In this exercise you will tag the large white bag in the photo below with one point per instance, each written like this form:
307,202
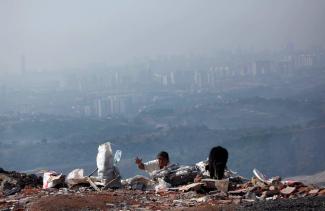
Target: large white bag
105,161
105,164
51,179
75,177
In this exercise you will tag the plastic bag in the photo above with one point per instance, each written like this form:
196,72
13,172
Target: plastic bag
105,161
105,164
177,175
162,186
117,157
76,176
51,179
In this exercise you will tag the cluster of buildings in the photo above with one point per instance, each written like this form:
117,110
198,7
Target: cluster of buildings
105,92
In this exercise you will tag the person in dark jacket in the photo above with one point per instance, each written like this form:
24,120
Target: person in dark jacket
218,158
215,166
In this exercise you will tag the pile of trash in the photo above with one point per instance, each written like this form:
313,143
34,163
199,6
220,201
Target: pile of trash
12,182
261,188
177,184
108,175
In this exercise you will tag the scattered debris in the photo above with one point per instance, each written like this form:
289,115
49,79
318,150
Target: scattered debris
12,182
177,174
52,179
221,185
21,191
288,190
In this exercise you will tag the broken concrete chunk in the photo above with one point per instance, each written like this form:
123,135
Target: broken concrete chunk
238,192
261,185
235,197
250,196
52,179
236,201
220,195
271,188
201,199
193,186
303,189
321,192
314,191
12,182
271,193
221,185
288,190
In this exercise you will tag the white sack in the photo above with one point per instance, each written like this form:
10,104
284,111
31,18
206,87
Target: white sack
76,176
105,161
51,179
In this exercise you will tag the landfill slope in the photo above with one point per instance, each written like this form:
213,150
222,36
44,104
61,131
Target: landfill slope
137,200
254,194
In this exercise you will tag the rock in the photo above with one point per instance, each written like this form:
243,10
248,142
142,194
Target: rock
110,205
250,195
303,189
314,191
235,197
225,201
24,200
236,201
221,185
238,192
288,190
7,183
254,180
189,195
261,185
12,182
220,195
321,192
12,191
193,186
201,199
270,193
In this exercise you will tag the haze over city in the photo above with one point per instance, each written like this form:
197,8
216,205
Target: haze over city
181,76
61,35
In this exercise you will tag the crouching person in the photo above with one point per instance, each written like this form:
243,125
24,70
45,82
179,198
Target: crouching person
216,165
161,162
218,158
140,182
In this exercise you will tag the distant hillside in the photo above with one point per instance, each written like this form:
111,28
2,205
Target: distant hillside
282,137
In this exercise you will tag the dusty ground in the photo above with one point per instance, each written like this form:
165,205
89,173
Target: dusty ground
307,203
37,199
254,194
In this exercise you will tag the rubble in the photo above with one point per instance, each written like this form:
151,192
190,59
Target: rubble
288,190
12,182
21,191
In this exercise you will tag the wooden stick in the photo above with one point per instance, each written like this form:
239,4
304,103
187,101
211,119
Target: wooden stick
93,172
93,184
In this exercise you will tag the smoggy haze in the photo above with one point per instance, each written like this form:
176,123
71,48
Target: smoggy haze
62,34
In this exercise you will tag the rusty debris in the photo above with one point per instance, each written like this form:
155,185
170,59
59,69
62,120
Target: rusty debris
21,191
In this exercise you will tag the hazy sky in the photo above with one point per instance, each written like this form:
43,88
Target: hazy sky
75,33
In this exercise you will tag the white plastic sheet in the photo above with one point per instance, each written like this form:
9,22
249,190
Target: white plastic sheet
51,179
105,164
76,176
105,161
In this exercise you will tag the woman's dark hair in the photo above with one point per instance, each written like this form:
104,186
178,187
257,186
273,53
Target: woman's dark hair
164,155
218,158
